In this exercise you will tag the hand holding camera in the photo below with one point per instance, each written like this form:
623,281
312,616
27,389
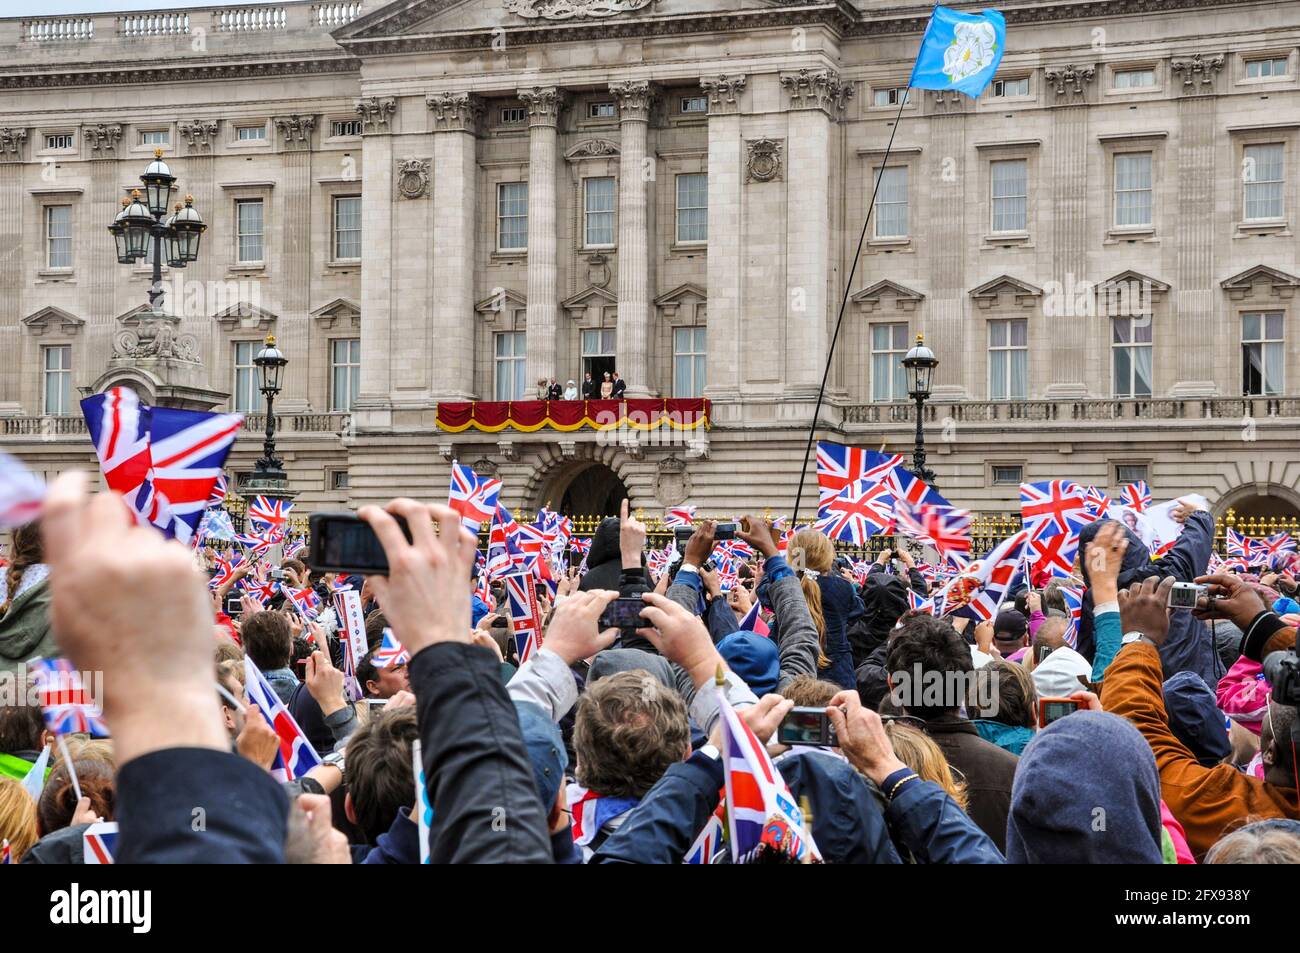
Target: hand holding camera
862,737
1144,607
1229,597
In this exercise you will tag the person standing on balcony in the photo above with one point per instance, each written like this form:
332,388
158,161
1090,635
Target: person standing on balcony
620,386
555,391
606,387
590,389
570,391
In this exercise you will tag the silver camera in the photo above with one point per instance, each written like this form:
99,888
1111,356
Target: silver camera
1185,595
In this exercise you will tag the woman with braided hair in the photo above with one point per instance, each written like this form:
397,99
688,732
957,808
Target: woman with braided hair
25,603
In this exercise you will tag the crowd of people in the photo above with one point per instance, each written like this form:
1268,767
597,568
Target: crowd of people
605,744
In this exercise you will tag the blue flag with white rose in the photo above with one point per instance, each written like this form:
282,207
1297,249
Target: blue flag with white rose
960,51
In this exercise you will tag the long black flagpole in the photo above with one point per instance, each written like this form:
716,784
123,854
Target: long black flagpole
844,303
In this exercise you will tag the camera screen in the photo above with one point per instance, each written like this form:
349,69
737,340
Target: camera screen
348,543
1055,710
623,614
1184,597
804,728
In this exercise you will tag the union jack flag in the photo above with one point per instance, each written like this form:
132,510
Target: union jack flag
582,546
1051,507
162,460
260,590
679,516
1054,555
296,756
838,466
753,621
22,493
1239,545
69,707
255,544
858,511
225,571
1097,502
911,489
473,497
305,601
708,845
1275,545
525,614
919,603
219,490
977,592
658,560
99,843
1074,603
294,547
946,528
216,525
269,511
390,652
1136,496
761,811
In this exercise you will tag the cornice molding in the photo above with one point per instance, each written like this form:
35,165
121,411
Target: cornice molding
65,75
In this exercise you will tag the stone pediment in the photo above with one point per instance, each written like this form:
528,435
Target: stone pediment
50,318
1272,280
245,316
505,300
341,312
587,297
1021,292
905,298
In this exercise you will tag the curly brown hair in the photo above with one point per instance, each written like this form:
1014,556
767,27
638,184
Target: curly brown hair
27,552
629,730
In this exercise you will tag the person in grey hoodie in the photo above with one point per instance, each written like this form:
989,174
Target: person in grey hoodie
25,604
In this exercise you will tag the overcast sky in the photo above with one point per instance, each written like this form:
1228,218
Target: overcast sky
29,8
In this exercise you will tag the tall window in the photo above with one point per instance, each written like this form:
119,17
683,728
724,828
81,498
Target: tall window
1010,192
248,230
345,373
1135,78
1009,359
689,361
58,236
1262,181
891,202
58,379
511,365
512,216
347,227
246,397
1131,355
1272,66
598,348
693,207
599,210
1133,189
888,377
1261,353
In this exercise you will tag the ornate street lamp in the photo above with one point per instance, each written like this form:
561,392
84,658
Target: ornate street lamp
270,362
920,363
143,229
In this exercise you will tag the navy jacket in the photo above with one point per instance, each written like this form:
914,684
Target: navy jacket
476,768
245,813
850,825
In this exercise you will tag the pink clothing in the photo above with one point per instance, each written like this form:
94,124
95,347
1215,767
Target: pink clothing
1243,694
1036,618
1176,835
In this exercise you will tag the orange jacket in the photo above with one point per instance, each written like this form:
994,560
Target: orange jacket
1206,801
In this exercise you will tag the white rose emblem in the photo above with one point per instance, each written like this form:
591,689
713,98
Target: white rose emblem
970,51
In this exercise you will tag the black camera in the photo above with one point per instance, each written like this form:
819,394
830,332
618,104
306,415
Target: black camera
1282,671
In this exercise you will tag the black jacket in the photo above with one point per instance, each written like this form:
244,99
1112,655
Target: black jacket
245,812
476,768
590,390
987,770
620,386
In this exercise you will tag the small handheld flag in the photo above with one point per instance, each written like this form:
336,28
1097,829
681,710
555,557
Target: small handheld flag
99,843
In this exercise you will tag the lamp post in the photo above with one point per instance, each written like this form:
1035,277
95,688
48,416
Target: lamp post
143,229
920,363
270,362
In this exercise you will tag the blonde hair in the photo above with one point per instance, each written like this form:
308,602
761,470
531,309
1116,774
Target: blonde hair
915,749
17,817
815,553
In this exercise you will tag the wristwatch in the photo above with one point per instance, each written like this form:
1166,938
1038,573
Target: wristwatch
334,758
1136,636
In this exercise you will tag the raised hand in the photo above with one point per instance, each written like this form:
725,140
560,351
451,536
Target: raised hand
574,633
680,637
631,538
862,737
1144,607
758,533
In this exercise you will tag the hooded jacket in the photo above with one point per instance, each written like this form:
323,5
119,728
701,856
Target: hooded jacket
605,563
1086,762
884,600
1188,647
25,629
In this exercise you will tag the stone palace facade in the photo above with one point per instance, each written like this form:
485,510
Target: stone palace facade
447,200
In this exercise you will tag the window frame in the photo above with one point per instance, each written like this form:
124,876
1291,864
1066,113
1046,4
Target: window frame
63,372
258,405
1115,158
878,172
240,261
993,200
1008,348
1133,344
500,232
1280,182
70,238
678,208
698,356
352,374
517,361
1263,342
588,212
898,375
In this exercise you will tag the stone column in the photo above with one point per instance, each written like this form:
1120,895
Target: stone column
724,262
12,147
374,404
1196,299
294,204
544,106
958,340
455,124
817,97
634,177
